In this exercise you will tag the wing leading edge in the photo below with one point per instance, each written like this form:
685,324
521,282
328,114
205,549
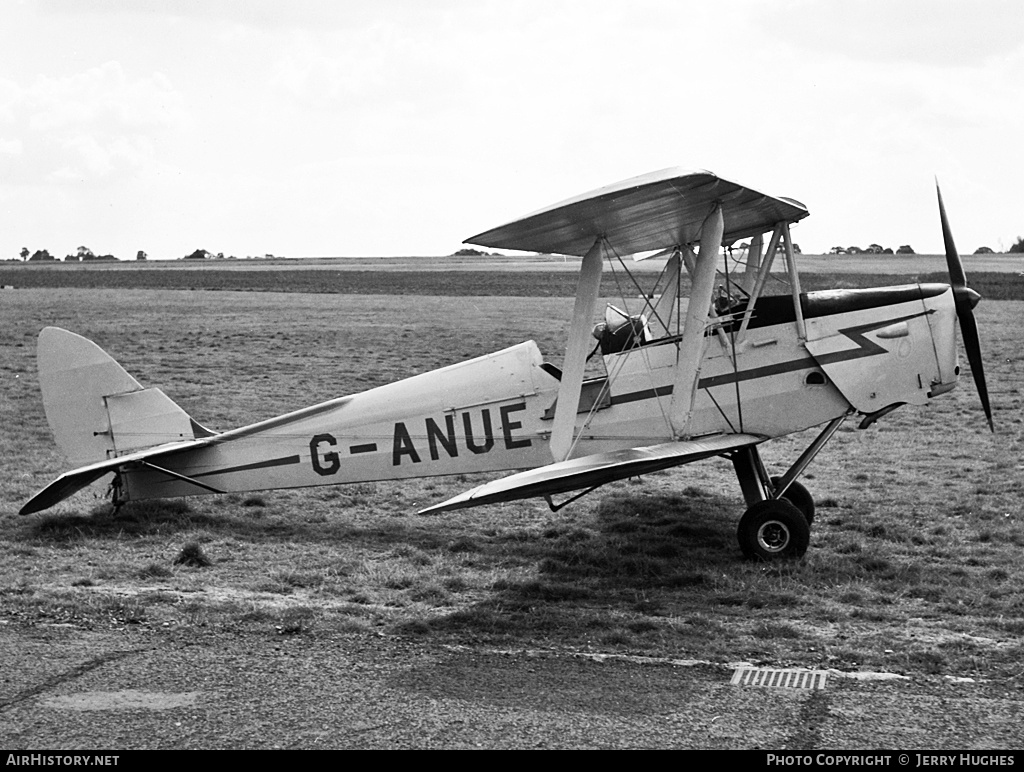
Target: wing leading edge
591,471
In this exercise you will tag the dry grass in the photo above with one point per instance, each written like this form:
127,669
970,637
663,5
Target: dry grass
914,563
994,276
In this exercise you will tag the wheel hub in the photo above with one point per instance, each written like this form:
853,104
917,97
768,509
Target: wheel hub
773,536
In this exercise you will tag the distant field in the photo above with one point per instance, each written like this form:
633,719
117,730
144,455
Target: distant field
914,565
460,277
874,264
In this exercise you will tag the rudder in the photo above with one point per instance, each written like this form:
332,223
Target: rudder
95,409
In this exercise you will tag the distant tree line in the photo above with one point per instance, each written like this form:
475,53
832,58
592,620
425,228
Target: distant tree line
906,249
746,246
872,249
468,252
205,254
39,254
84,254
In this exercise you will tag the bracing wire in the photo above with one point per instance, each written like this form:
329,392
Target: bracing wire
620,361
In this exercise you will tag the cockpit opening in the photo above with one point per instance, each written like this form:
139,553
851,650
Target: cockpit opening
621,331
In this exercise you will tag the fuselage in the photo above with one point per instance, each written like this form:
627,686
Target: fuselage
864,351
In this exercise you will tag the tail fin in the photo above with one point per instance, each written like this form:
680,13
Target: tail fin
95,409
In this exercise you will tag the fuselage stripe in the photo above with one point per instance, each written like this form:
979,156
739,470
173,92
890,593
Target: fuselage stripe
865,348
285,461
721,380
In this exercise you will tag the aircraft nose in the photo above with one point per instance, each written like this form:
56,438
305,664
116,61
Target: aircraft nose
968,295
965,299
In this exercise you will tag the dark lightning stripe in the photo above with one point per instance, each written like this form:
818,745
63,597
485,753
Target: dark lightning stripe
286,461
636,396
758,372
722,380
865,348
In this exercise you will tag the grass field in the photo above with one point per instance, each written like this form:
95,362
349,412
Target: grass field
914,563
996,278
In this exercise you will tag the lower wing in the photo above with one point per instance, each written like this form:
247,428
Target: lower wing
598,469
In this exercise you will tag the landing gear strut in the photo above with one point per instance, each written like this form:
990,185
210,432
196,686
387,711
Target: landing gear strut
116,491
797,495
777,523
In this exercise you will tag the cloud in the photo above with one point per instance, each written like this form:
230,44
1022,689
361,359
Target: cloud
269,15
941,33
103,96
90,126
314,126
11,147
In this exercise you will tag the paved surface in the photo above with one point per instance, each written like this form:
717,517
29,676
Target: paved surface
64,688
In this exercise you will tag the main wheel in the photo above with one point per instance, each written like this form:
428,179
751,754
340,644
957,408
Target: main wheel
773,530
799,496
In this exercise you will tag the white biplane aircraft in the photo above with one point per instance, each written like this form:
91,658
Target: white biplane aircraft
718,375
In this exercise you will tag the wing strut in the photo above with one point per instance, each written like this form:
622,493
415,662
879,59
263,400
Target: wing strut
576,351
762,276
749,278
693,343
794,282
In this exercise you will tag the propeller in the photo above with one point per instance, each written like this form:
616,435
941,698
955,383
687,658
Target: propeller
965,300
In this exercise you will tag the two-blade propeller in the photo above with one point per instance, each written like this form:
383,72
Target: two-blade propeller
965,299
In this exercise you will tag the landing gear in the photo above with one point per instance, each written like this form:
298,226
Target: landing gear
773,530
777,523
116,492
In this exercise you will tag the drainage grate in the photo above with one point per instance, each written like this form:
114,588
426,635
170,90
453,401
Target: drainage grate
792,678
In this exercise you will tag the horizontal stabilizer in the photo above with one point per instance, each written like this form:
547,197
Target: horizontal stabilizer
71,482
591,471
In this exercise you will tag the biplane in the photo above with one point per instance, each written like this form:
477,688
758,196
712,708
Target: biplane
713,363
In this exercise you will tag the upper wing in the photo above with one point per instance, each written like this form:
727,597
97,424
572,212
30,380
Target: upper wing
590,471
654,211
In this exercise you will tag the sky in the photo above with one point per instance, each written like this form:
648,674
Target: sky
403,127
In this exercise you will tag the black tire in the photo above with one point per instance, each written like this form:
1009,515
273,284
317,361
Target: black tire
798,495
773,530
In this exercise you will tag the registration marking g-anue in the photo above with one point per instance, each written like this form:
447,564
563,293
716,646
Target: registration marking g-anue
445,435
47,760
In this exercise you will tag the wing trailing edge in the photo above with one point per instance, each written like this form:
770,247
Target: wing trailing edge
597,469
